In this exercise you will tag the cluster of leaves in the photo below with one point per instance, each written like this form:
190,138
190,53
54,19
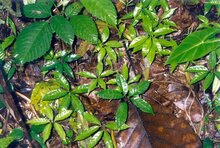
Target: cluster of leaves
58,102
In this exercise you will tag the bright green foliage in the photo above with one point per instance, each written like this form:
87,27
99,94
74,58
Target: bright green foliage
73,9
194,46
16,134
85,28
103,10
33,42
209,3
63,28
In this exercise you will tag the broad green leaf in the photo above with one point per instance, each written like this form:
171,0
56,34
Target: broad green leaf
41,89
63,115
99,68
101,54
77,104
114,44
153,4
87,74
93,141
33,42
139,89
92,85
38,121
212,59
110,94
207,143
86,133
7,42
199,76
17,133
37,10
138,41
147,24
197,68
68,70
6,141
125,71
137,9
81,89
121,114
101,83
208,80
113,126
142,105
121,82
71,58
134,79
107,73
73,9
64,103
194,46
168,13
48,112
162,31
107,140
54,94
111,53
164,5
91,118
105,34
85,28
203,19
62,80
47,132
63,28
60,131
102,9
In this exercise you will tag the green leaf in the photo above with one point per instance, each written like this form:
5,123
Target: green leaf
73,9
121,82
162,31
71,58
138,41
208,80
63,28
153,4
37,138
107,73
7,42
207,143
142,105
107,140
92,85
113,126
62,80
125,71
103,9
101,54
87,74
38,121
37,10
111,53
134,79
168,13
81,89
114,44
60,131
212,59
121,114
139,89
95,139
48,112
91,118
101,83
105,34
63,115
110,94
197,68
86,133
2,54
85,28
12,25
17,133
1,89
77,104
68,70
99,68
47,132
164,5
194,46
33,42
199,76
54,94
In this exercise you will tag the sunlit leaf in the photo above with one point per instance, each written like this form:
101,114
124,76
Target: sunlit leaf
103,9
139,89
77,104
87,74
86,133
91,118
63,115
73,9
54,94
198,76
114,126
121,114
208,80
60,131
38,121
107,140
47,132
121,82
142,105
95,139
110,94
